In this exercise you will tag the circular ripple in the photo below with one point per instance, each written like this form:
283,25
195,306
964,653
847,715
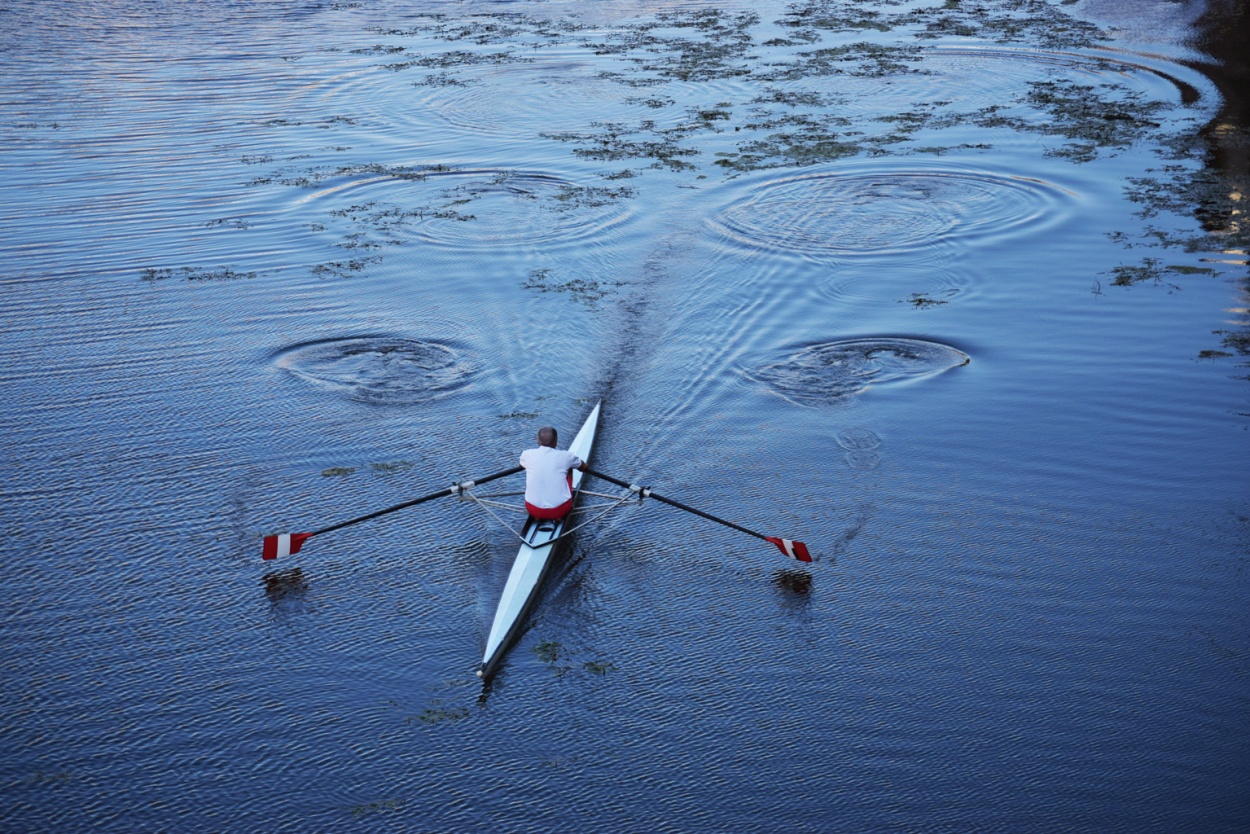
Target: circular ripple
884,211
858,440
978,72
379,369
520,98
487,209
470,208
827,373
863,461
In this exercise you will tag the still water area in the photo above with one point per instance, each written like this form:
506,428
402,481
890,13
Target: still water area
954,293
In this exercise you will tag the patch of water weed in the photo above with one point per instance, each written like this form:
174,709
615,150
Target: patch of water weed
519,415
431,716
837,17
654,102
230,222
614,142
192,273
384,470
803,139
441,79
922,302
1206,193
858,60
338,471
381,807
599,667
1033,21
549,651
505,28
589,196
344,269
391,221
794,98
1154,271
1097,119
1106,116
460,58
1236,341
588,291
1149,270
378,49
702,45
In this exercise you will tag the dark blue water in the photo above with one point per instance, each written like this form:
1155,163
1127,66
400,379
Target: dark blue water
956,295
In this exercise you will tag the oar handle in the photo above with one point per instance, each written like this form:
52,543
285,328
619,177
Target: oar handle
454,489
646,492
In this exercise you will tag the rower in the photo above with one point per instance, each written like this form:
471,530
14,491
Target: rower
549,477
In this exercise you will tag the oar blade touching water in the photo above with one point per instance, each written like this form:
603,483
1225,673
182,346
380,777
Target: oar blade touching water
283,544
793,549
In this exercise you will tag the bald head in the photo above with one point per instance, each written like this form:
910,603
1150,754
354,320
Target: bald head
547,436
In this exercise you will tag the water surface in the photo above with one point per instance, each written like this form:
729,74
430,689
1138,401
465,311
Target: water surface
956,296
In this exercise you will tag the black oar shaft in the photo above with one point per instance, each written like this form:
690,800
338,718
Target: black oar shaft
647,493
452,490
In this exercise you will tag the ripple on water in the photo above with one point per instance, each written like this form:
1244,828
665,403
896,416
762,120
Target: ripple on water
857,439
478,208
827,373
984,73
525,208
921,283
381,370
521,97
844,213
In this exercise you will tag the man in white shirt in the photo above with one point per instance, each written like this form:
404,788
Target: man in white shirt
549,477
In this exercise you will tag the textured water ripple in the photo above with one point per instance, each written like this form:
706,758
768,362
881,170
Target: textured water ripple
381,370
890,210
830,372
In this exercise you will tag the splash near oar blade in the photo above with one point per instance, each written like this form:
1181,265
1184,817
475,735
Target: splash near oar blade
283,544
793,549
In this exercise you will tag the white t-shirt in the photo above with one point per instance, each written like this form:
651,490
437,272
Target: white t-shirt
546,475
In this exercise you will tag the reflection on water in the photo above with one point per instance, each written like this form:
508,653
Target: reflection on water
285,586
796,583
1222,32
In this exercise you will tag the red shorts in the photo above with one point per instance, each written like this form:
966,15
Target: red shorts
549,513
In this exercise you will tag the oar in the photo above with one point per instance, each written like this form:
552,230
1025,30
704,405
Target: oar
793,549
286,544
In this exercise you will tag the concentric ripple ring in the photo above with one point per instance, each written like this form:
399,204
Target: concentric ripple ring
874,212
381,370
827,373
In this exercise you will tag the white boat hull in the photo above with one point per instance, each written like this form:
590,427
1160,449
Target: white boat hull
532,561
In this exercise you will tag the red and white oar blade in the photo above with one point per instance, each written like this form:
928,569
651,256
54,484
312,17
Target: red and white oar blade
793,549
283,544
